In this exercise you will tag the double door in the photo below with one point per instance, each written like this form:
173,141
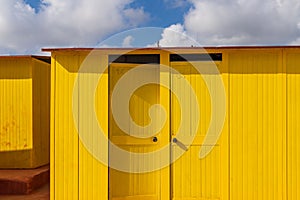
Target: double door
158,119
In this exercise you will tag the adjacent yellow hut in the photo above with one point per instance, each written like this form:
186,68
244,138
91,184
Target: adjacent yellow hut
24,111
256,156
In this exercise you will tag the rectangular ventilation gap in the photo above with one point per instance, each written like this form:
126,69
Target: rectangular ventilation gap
135,58
196,57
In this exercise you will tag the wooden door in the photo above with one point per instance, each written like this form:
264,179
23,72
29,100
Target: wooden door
194,177
131,178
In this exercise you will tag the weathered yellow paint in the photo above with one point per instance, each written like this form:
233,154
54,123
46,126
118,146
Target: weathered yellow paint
24,112
256,157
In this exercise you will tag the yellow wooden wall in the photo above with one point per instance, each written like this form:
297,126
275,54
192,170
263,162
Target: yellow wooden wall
24,112
257,156
16,104
257,125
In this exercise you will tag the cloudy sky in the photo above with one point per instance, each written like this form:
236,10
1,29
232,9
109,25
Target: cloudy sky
28,25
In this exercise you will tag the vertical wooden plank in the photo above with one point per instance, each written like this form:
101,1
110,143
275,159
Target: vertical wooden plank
165,102
293,127
92,172
52,127
224,140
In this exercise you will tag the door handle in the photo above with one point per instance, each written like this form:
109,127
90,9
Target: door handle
154,139
180,144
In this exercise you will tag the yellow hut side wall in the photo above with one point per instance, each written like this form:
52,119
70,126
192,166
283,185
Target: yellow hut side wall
81,176
16,104
24,112
262,86
15,113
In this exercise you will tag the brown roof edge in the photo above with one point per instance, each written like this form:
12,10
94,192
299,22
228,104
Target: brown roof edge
90,49
15,56
42,58
169,48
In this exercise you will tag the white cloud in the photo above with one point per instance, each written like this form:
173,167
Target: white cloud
175,35
63,23
243,22
296,42
127,42
136,16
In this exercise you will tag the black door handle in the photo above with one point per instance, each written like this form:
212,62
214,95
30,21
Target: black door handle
154,139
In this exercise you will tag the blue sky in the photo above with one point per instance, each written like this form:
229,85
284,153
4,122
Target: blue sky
163,14
26,26
34,3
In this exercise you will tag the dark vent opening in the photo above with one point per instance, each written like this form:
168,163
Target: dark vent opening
195,57
135,58
43,58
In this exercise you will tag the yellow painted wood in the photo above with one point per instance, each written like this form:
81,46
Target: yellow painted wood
16,104
66,164
149,185
165,101
41,112
82,176
195,198
137,197
52,128
92,172
192,177
256,157
257,125
293,127
24,112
